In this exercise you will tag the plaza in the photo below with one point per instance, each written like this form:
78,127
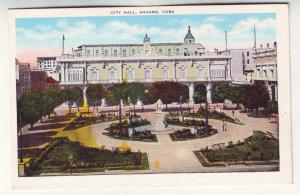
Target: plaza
165,156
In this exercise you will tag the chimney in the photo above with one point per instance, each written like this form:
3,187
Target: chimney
275,45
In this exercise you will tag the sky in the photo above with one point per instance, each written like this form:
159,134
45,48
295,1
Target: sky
43,36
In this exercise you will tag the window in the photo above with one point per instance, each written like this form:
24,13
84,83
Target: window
200,72
115,52
219,73
160,51
132,51
247,61
88,52
94,75
257,72
247,53
165,74
130,75
112,75
169,52
105,53
97,52
124,52
147,74
177,51
265,73
182,74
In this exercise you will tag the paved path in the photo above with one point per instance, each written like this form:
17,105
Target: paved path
168,156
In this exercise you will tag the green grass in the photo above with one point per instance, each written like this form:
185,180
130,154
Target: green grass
132,139
174,138
255,148
201,160
60,154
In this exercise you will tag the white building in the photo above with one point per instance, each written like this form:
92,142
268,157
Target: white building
265,60
49,65
185,62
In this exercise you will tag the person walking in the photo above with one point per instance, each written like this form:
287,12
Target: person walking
232,113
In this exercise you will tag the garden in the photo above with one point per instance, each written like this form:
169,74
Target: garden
127,131
201,113
193,129
260,148
86,119
67,157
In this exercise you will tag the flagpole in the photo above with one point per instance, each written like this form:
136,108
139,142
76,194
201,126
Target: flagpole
63,44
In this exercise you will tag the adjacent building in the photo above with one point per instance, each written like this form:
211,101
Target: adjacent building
265,60
23,77
186,62
49,65
242,65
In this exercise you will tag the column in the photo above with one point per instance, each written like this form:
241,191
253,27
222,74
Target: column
103,102
208,93
270,91
67,74
191,93
174,71
208,70
85,101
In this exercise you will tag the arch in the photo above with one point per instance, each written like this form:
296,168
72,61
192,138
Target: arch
200,95
273,92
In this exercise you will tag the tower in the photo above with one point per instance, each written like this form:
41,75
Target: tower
189,38
146,41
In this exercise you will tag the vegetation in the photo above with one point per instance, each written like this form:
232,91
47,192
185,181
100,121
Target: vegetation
227,91
115,130
167,92
33,105
124,90
94,94
63,156
258,147
255,96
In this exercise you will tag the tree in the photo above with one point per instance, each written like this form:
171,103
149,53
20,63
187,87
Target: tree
50,99
94,94
28,106
200,94
226,91
255,96
167,92
125,90
72,95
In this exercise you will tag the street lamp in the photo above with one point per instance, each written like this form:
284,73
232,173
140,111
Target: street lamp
20,139
180,101
120,115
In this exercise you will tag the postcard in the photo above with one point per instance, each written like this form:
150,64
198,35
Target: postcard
176,93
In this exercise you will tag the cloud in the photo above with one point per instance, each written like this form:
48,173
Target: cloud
207,32
214,19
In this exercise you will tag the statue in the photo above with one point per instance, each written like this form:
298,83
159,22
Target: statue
159,105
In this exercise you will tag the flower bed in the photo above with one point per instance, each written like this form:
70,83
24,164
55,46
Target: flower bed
86,120
213,114
188,133
56,158
256,149
122,132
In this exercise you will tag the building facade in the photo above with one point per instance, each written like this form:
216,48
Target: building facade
23,77
242,65
185,62
265,60
49,65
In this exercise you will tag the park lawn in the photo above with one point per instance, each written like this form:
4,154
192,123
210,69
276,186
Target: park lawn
83,135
